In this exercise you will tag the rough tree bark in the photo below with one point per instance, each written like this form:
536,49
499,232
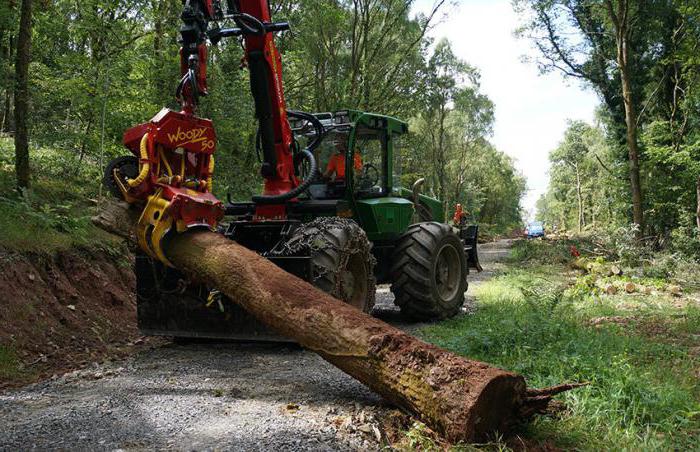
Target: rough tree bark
7,53
24,42
621,20
462,399
579,198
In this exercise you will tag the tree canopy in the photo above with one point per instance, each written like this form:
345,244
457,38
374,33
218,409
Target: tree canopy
641,57
99,67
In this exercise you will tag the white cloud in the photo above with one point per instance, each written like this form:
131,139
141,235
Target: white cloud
531,109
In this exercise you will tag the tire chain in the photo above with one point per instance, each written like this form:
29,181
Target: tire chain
306,239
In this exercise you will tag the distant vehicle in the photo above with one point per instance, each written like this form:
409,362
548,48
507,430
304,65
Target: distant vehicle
534,229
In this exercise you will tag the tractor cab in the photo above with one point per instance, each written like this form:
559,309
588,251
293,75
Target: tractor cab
354,154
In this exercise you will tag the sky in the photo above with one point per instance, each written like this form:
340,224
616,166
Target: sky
531,109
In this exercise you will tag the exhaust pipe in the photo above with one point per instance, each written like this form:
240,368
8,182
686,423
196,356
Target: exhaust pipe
416,190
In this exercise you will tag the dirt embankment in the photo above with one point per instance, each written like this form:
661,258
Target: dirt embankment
63,311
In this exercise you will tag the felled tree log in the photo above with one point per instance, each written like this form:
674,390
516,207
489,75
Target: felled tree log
462,399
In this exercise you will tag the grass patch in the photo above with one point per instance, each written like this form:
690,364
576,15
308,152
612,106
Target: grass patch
643,392
55,214
41,228
9,364
540,251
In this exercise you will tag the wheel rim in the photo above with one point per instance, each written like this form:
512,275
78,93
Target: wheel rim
447,272
353,282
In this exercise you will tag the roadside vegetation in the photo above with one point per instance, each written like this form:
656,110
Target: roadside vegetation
10,366
547,316
55,214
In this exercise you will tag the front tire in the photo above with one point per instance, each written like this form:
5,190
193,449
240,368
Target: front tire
429,272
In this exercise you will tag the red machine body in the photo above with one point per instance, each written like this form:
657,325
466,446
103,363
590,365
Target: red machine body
179,156
265,66
175,130
282,179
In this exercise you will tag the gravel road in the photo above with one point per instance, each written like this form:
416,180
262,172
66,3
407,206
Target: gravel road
208,397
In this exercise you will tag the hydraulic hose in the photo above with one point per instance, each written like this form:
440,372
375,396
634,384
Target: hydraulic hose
145,165
210,183
308,156
164,159
191,78
276,199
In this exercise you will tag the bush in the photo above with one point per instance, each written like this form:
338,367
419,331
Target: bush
686,241
621,244
539,251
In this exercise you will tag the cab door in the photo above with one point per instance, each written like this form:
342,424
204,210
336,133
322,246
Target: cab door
381,215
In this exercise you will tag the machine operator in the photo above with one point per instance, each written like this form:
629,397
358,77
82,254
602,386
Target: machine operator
336,165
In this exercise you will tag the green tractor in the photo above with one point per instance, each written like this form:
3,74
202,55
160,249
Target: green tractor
354,227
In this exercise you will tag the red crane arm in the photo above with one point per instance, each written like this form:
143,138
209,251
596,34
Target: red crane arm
253,20
265,65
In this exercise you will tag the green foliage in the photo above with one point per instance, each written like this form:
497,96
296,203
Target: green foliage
541,252
418,437
584,187
451,147
643,259
9,364
55,214
642,394
100,67
579,39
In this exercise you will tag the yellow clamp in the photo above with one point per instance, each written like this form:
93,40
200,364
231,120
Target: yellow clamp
153,225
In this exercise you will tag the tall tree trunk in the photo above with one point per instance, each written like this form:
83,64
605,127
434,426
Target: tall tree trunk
633,151
160,7
579,198
621,19
7,45
441,160
6,111
24,43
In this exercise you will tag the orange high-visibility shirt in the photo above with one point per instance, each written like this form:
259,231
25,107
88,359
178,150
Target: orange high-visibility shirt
337,165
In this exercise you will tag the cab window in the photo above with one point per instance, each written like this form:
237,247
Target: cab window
397,148
370,176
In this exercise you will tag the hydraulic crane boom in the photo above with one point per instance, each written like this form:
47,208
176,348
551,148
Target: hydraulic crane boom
265,67
175,150
253,23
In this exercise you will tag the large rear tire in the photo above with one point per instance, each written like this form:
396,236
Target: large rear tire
341,259
429,272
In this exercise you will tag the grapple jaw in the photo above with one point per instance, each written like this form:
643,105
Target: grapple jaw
174,177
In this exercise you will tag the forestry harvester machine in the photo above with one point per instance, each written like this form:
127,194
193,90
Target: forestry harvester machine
343,232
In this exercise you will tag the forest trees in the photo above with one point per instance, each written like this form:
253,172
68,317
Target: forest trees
7,48
365,54
440,123
607,55
453,130
23,52
641,56
100,67
580,192
571,154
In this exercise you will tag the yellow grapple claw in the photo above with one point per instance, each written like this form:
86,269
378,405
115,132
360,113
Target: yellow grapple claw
153,225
